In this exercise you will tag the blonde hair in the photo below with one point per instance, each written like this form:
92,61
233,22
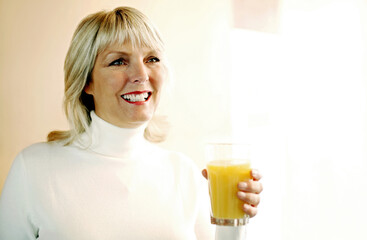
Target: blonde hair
93,35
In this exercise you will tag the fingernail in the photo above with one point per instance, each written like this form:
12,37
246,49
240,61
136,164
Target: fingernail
242,185
255,173
246,206
241,194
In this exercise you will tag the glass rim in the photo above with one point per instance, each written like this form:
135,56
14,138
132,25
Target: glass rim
228,143
226,150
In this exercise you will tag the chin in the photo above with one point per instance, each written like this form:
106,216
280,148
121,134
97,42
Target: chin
142,119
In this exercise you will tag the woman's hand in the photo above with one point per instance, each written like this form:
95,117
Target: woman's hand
249,192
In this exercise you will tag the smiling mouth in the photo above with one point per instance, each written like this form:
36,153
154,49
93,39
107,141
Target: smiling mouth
136,97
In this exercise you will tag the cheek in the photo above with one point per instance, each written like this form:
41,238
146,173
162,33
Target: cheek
159,80
159,85
111,83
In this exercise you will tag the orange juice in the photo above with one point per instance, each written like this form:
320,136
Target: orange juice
224,176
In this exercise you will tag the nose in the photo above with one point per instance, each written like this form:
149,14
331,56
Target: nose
138,73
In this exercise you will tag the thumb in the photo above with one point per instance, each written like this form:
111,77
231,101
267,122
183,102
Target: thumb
205,173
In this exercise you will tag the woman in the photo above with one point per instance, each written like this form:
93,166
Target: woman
102,179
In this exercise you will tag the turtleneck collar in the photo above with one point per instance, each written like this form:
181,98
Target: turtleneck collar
107,139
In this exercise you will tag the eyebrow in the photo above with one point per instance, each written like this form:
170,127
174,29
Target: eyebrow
151,52
115,52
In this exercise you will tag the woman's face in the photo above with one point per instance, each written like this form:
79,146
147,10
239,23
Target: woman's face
126,84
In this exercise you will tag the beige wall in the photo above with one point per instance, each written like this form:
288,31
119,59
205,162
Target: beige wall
34,39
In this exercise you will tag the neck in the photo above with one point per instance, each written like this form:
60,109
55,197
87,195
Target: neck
110,140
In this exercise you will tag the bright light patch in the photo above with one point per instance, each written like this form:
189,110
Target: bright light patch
300,98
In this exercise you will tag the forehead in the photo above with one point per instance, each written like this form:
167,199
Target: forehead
127,49
125,39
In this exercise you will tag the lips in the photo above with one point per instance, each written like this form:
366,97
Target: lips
137,97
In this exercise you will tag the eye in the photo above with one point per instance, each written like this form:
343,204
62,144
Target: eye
153,60
118,62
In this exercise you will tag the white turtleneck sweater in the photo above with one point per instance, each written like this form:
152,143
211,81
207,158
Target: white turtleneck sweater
111,184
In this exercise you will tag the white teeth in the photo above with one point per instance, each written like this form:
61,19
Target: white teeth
136,97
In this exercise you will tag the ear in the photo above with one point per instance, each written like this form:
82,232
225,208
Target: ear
89,88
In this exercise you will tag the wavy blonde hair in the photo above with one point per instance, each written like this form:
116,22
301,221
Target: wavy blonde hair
93,35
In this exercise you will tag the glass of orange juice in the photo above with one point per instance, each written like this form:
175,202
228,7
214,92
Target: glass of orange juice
227,165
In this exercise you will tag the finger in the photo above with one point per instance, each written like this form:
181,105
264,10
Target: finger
250,186
256,174
249,210
249,198
205,173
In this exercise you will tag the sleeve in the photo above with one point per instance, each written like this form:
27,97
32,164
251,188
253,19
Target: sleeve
15,222
233,233
205,230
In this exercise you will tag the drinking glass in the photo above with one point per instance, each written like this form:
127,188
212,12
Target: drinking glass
227,165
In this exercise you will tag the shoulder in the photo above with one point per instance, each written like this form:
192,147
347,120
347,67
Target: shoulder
30,161
40,149
41,154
